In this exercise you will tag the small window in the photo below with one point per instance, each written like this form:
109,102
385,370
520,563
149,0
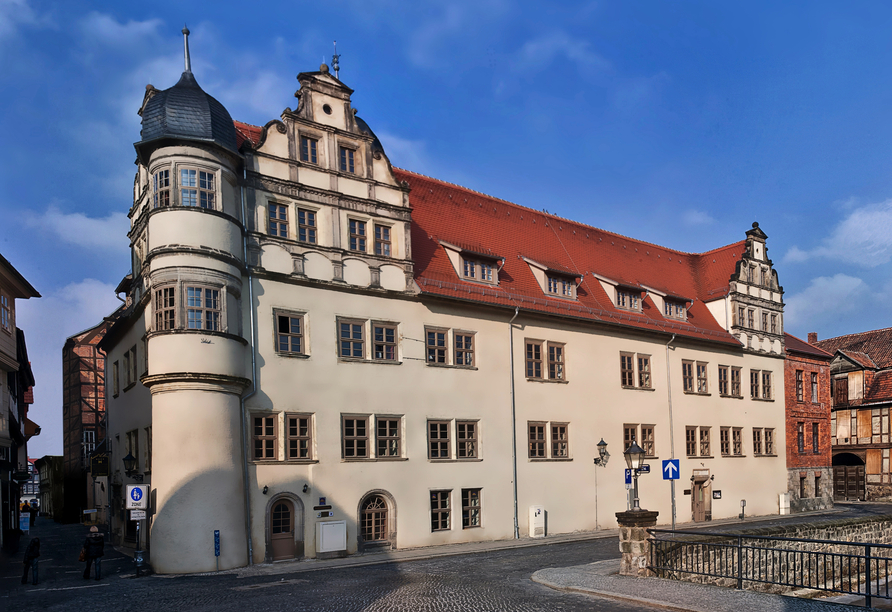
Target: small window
116,384
757,441
466,439
347,164
474,269
769,441
197,188
560,442
704,442
765,321
537,440
555,361
278,220
289,333
438,439
723,380
5,313
629,300
356,437
725,441
735,382
471,508
755,387
648,443
702,383
299,440
388,437
687,376
306,226
534,360
265,437
161,189
815,439
800,437
814,387
384,342
350,336
750,318
691,441
800,386
357,235
165,308
436,346
741,316
464,349
440,510
308,148
627,370
203,308
674,310
774,324
560,286
737,441
382,240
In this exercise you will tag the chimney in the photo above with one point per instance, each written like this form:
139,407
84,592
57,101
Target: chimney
812,337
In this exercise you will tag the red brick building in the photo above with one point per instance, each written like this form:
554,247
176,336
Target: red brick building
807,404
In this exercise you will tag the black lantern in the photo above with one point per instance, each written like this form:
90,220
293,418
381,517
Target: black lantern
129,464
603,455
634,456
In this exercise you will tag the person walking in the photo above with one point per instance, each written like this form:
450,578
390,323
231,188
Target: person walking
30,560
94,549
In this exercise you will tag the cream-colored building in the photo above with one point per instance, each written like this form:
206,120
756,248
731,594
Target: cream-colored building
323,354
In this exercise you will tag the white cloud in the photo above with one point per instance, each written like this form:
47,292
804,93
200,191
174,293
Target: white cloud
101,29
107,233
697,217
539,53
47,322
863,238
265,92
404,153
16,13
827,298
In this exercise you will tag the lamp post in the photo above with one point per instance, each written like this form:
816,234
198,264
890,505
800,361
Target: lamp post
634,456
600,461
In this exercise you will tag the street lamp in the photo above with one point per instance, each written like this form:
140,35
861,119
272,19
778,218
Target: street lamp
634,456
130,467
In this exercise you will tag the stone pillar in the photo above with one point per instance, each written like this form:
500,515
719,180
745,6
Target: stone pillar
633,526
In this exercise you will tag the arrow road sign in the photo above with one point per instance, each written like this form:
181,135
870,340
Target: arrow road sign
671,470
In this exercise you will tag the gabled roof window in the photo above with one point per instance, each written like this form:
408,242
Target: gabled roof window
555,281
474,265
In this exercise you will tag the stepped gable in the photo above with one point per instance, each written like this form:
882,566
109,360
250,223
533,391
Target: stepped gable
442,212
876,344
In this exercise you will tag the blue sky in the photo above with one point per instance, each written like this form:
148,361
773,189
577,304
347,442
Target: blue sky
678,123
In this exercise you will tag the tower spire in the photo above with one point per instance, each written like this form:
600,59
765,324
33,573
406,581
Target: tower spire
186,48
335,60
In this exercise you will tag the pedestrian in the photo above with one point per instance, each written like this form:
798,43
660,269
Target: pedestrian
94,547
30,560
33,510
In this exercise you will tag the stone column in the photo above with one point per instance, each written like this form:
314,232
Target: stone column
633,541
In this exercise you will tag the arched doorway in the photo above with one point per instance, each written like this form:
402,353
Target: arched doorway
377,517
848,477
285,528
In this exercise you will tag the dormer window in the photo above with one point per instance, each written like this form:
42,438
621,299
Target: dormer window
477,270
347,164
674,310
308,149
560,286
628,299
197,188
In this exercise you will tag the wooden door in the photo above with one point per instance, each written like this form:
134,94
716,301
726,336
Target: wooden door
282,530
374,520
698,501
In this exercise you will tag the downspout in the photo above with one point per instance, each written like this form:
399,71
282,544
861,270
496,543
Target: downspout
671,427
243,412
513,418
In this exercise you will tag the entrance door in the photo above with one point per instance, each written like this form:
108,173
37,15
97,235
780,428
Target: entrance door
282,530
698,501
848,482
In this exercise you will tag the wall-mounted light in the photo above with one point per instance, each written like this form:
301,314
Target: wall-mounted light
306,488
265,489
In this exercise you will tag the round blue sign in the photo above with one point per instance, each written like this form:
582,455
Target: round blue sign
135,494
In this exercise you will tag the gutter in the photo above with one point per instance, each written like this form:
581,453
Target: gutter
513,416
244,398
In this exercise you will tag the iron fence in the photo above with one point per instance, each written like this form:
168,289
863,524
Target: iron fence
855,568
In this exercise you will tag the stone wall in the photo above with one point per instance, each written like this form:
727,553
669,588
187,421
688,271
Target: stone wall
821,499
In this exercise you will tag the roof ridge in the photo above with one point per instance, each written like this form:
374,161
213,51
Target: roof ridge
872,331
564,219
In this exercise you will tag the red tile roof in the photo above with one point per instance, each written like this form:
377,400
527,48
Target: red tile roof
877,344
792,344
880,388
861,359
480,223
246,131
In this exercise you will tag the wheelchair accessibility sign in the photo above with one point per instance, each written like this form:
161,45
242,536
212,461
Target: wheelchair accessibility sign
137,497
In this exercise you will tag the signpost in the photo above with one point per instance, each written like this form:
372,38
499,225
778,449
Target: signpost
217,547
137,502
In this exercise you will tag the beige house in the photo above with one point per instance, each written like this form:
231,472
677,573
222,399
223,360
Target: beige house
323,354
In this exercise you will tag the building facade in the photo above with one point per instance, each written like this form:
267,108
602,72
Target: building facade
807,401
31,487
83,414
337,355
16,395
52,486
861,392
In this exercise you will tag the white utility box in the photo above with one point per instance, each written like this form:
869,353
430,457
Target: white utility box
783,500
331,536
537,521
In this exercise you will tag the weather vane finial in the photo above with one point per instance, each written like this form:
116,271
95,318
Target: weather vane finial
335,60
186,48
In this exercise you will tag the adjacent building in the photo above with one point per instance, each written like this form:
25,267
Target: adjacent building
807,401
52,486
861,391
322,354
16,395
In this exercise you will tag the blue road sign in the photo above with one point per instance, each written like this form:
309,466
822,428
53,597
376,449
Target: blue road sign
216,542
644,468
628,476
136,494
671,470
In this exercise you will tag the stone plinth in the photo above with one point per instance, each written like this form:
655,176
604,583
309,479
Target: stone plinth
633,526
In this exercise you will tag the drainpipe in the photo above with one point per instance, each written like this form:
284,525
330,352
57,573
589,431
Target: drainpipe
243,412
513,417
671,428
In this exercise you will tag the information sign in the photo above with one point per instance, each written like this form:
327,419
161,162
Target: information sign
137,497
137,515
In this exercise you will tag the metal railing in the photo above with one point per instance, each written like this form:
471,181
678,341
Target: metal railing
855,568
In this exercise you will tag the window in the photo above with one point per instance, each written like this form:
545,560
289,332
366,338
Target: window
306,226
347,160
802,492
308,149
466,439
630,300
769,441
702,386
161,188
470,508
278,220
687,376
723,380
148,458
800,437
534,359
737,441
645,440
388,437
725,441
537,440
357,235
265,437
473,269
674,310
774,324
704,442
440,510
690,434
841,394
116,384
203,308
133,445
5,313
464,349
735,382
765,277
350,335
438,439
88,445
385,342
165,308
800,390
560,443
764,321
356,437
757,441
627,363
814,387
627,370
129,367
555,354
382,240
766,385
289,333
754,384
815,439
750,316
555,361
751,274
436,346
560,286
197,188
298,436
741,316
